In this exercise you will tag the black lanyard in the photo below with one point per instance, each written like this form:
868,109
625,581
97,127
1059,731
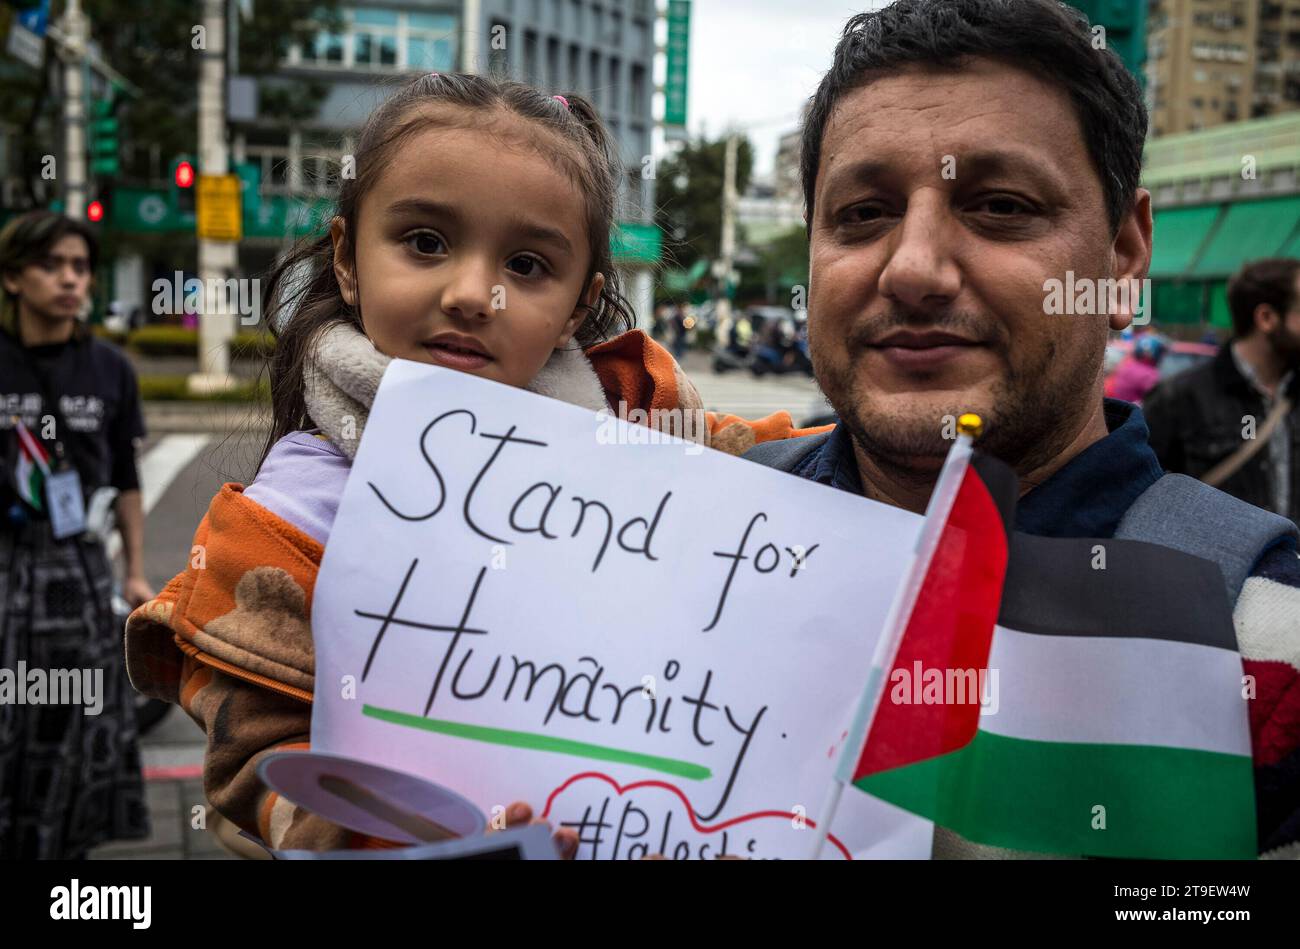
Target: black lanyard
50,406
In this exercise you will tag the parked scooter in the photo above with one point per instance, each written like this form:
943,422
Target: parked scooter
726,358
774,361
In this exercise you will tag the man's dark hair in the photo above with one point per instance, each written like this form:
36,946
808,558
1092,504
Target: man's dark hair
1047,38
28,239
1270,281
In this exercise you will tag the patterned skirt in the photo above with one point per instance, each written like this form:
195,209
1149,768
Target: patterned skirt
68,780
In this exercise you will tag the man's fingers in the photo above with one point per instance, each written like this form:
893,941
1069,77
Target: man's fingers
566,839
518,813
566,842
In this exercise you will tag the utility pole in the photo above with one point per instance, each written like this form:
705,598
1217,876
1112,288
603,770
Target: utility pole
471,36
216,258
723,268
75,27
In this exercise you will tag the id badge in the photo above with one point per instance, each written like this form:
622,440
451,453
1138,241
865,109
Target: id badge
65,503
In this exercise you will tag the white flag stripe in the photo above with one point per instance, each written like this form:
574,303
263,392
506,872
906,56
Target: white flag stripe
1117,691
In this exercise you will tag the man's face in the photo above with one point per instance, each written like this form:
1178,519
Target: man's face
943,203
55,288
1286,337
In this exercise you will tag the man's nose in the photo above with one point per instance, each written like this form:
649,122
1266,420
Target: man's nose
473,290
921,271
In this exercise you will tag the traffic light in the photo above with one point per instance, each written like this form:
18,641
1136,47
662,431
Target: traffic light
182,189
103,137
95,211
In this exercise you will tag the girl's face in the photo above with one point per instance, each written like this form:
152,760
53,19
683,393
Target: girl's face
470,253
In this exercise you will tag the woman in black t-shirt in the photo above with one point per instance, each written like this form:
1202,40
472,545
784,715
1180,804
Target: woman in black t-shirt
69,422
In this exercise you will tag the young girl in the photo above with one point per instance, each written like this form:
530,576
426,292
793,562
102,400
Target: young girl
475,235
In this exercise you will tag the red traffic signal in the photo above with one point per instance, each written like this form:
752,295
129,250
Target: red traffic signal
95,211
184,174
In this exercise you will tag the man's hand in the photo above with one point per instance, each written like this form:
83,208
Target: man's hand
565,839
136,590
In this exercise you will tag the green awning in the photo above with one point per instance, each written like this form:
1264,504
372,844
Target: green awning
1175,301
1220,315
1292,249
1249,230
1179,234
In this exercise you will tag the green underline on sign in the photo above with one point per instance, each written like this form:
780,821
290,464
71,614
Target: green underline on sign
561,746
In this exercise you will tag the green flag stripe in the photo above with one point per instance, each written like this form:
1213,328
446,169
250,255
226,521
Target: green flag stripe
1166,803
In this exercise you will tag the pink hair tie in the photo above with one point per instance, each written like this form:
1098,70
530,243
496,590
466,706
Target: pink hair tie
433,75
563,100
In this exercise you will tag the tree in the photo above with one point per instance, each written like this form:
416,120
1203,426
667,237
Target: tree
782,264
158,50
689,194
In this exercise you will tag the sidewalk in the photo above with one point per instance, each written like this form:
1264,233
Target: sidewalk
173,770
162,418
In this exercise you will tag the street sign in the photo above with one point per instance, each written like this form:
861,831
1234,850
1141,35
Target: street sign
280,216
218,208
679,50
636,243
144,209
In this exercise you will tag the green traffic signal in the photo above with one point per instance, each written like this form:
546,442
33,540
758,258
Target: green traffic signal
104,138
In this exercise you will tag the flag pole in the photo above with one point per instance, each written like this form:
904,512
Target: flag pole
969,427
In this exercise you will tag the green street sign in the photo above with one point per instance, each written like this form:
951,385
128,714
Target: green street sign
278,216
145,210
633,243
250,181
679,48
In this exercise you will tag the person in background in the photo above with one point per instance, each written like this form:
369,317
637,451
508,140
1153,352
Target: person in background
1139,372
678,322
69,425
1235,422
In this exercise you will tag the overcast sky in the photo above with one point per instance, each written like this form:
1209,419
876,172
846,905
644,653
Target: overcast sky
755,62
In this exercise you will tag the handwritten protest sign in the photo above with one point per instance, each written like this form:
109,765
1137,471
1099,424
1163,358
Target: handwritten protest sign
655,645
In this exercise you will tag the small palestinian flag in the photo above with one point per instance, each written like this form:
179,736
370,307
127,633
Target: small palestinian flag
32,469
1117,725
945,643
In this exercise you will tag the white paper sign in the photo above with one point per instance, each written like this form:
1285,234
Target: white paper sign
657,646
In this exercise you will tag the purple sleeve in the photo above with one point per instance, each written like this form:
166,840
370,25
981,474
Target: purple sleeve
302,482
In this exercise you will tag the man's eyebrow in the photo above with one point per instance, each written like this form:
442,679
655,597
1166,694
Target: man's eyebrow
968,164
862,171
1010,163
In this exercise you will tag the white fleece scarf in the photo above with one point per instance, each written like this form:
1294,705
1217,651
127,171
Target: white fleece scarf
342,370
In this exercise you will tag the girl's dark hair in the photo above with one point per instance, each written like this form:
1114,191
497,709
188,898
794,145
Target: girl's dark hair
302,293
28,239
